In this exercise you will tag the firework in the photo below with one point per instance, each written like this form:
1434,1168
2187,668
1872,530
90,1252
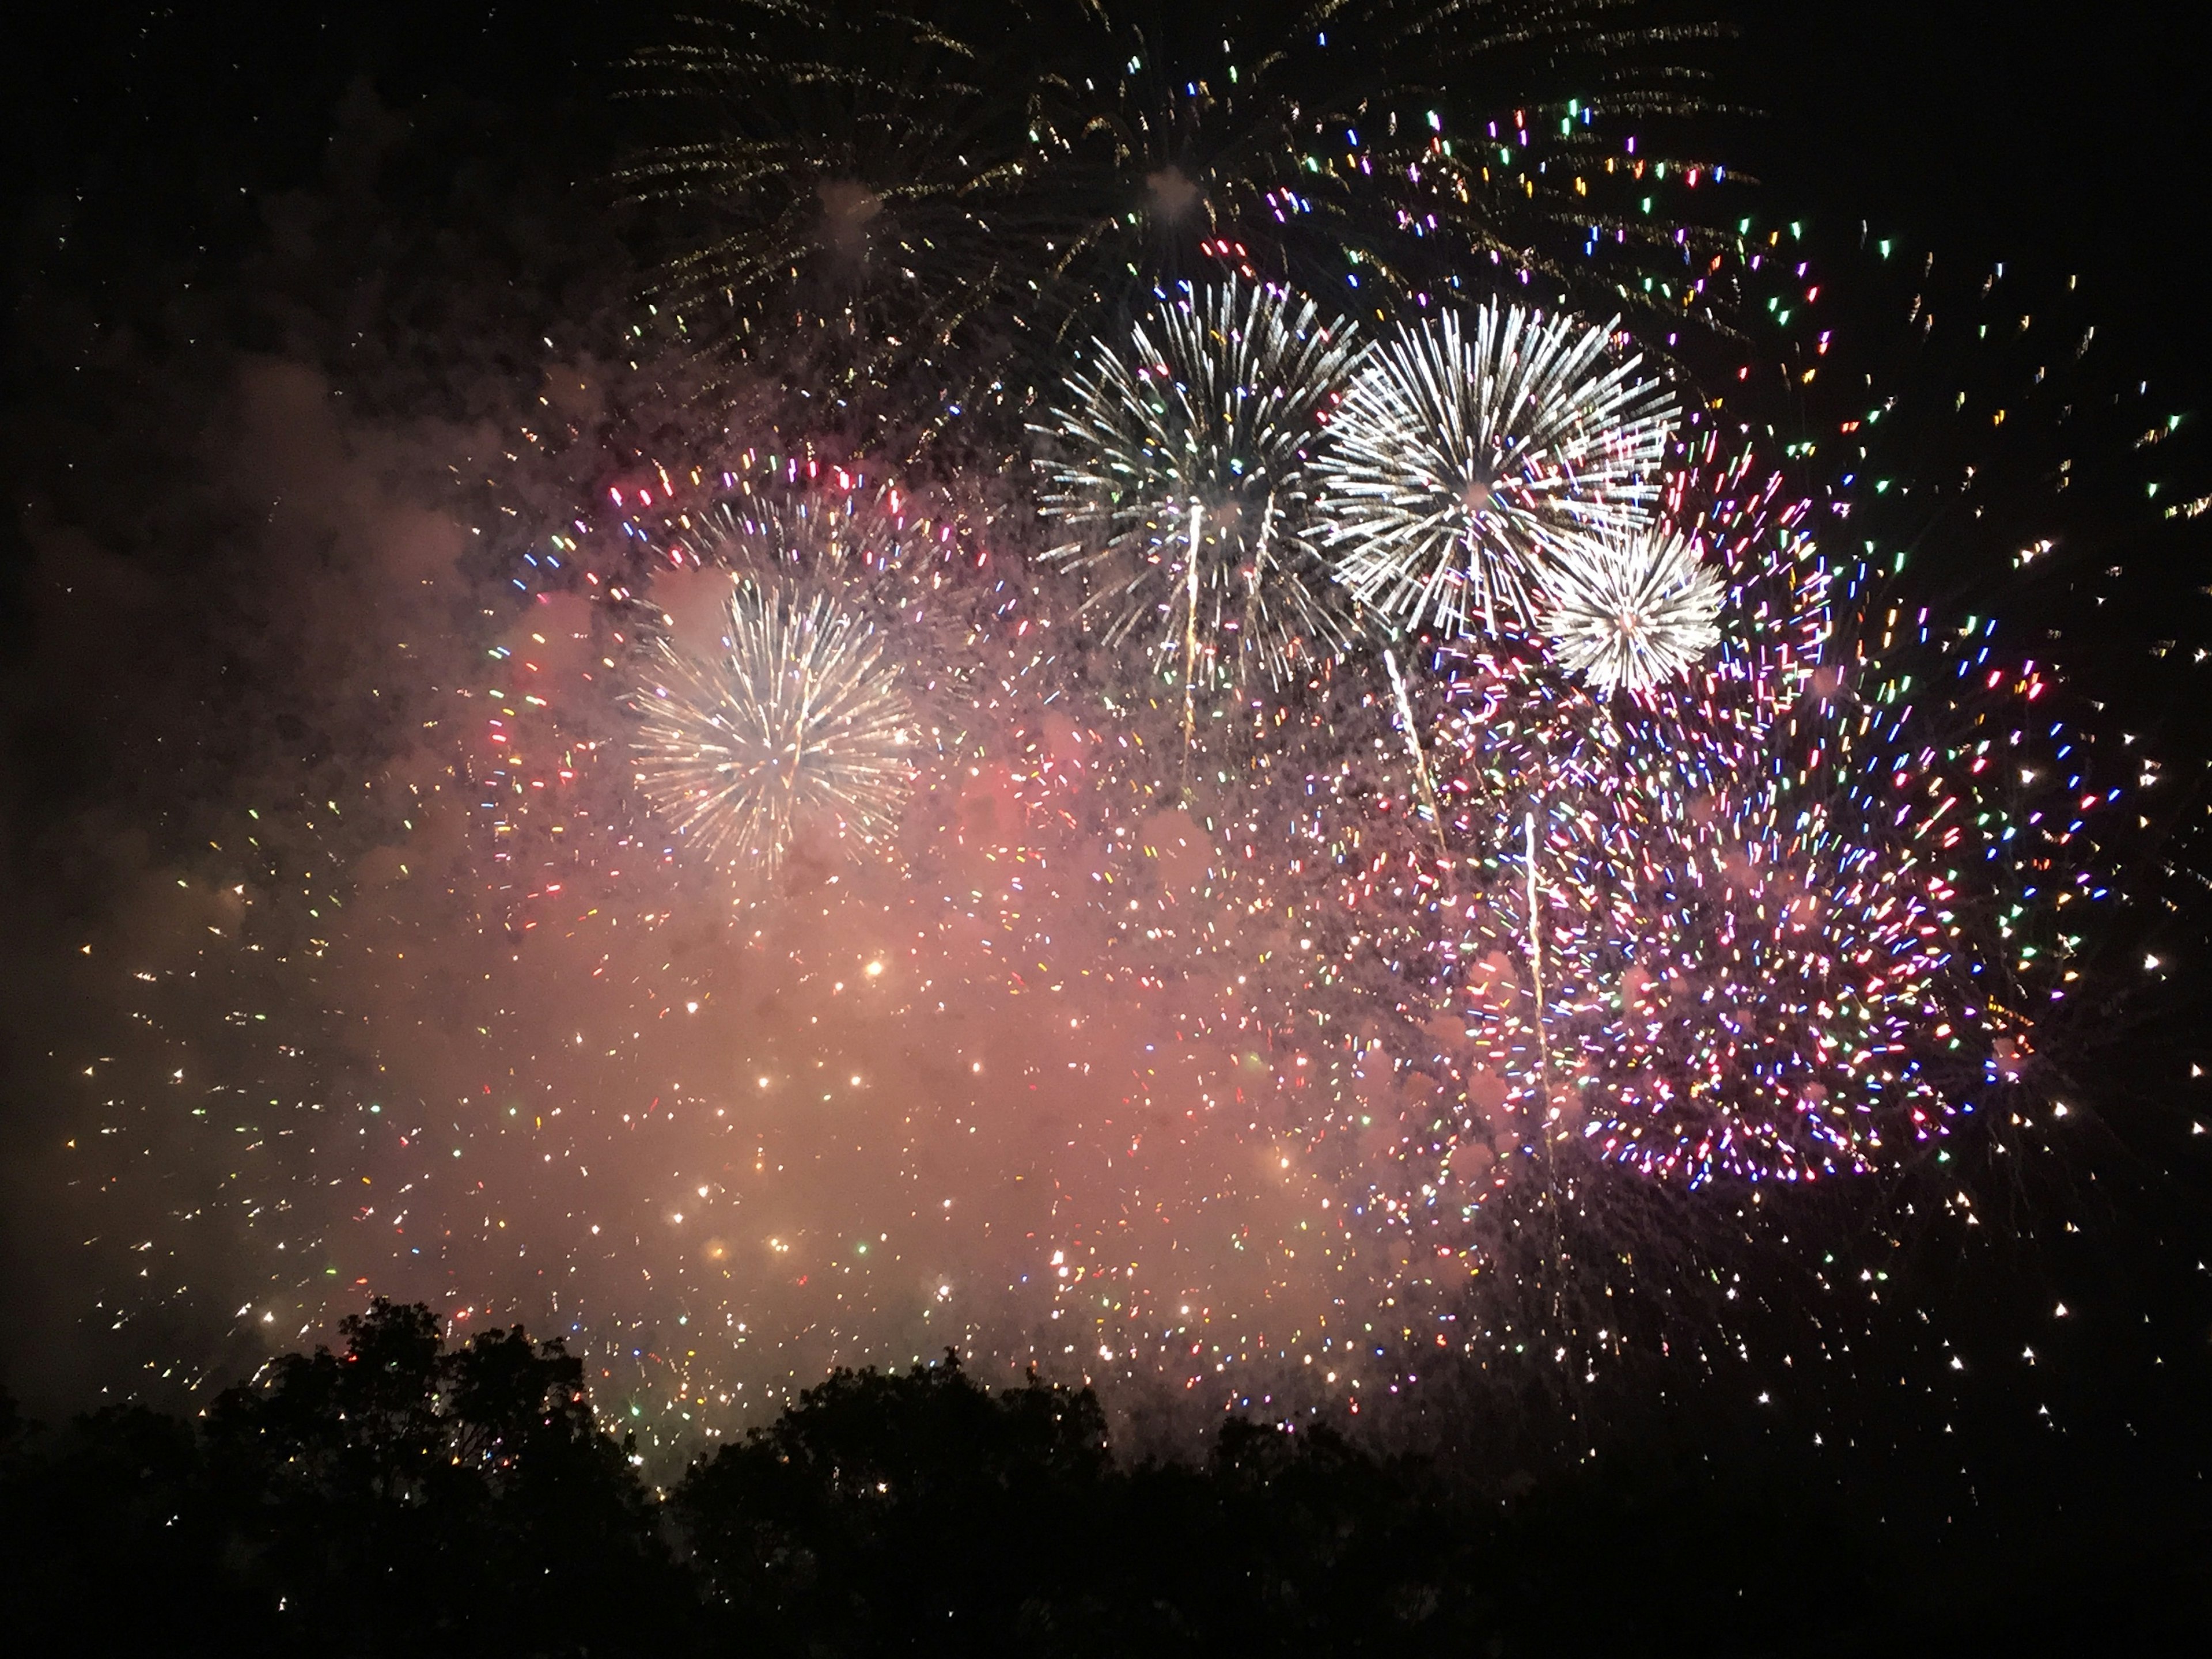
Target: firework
852,172
1372,151
1774,1011
1455,932
1627,612
948,202
1704,944
1464,459
906,567
800,729
899,561
1727,928
1182,468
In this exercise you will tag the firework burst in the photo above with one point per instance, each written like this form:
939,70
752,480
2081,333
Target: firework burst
948,202
1369,149
1630,612
1465,458
849,183
799,730
1182,470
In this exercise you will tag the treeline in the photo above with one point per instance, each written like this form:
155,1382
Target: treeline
404,1497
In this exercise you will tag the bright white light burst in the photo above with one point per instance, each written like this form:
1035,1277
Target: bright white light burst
1628,612
799,730
1466,454
1182,470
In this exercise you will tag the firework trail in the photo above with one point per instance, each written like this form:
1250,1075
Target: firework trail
800,730
1462,462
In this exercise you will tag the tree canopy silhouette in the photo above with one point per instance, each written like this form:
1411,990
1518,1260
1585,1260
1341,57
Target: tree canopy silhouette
404,1494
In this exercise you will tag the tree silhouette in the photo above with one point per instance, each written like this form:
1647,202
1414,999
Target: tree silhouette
400,1495
474,1482
880,1502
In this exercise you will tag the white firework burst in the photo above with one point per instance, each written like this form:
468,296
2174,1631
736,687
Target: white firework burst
1181,469
1627,612
1466,454
800,730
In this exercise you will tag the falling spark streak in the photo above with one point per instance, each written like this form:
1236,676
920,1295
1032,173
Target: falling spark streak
1190,630
1413,746
1536,971
1258,576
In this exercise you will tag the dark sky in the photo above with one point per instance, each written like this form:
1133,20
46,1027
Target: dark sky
1993,132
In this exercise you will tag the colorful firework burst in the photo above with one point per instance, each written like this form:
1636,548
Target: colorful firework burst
947,202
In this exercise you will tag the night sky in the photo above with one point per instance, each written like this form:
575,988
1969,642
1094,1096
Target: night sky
320,319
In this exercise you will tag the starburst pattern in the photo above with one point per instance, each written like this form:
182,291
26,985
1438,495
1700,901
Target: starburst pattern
1468,454
1629,612
1180,468
799,731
